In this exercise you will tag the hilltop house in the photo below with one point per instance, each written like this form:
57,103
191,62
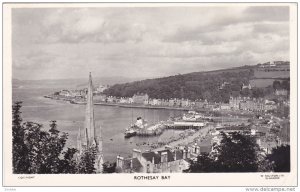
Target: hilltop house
246,86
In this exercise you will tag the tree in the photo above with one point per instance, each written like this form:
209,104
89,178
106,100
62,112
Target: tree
196,85
207,95
235,153
257,92
68,164
285,85
109,167
264,165
280,157
54,147
37,151
246,92
86,163
203,164
44,148
19,150
276,85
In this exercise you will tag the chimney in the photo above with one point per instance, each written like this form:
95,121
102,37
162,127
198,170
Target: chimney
120,161
188,154
197,150
175,155
184,153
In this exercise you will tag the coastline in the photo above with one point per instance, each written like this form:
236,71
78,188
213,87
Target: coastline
120,104
143,106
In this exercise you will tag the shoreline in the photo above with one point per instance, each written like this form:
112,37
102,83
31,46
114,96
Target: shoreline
140,106
121,105
143,106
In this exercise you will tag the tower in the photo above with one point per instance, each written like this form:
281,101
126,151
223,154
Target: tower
99,156
79,141
89,113
90,138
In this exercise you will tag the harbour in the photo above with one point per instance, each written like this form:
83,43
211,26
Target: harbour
114,120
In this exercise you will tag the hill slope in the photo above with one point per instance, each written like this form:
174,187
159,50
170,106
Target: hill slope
198,85
215,86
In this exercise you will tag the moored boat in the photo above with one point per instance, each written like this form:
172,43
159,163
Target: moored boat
129,133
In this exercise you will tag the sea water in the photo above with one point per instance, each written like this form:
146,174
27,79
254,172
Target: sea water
113,120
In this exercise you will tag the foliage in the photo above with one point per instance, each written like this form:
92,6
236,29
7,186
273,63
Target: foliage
39,151
43,148
264,165
203,164
68,164
109,167
87,161
236,153
240,153
285,84
19,150
36,151
194,86
280,157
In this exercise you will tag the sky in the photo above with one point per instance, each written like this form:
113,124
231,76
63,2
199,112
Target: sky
144,42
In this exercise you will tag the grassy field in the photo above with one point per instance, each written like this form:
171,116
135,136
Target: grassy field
261,82
271,74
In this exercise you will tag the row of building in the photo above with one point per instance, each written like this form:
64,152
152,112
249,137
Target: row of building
251,104
235,103
164,161
81,93
274,64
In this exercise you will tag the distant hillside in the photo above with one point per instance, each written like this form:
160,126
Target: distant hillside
216,86
70,83
198,85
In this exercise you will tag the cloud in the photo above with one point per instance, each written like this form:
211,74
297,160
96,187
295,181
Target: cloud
234,22
267,13
145,42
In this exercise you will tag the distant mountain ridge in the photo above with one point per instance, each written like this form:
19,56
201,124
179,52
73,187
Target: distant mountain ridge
71,83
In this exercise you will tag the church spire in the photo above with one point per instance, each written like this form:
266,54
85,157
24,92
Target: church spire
79,142
99,157
89,114
100,140
90,137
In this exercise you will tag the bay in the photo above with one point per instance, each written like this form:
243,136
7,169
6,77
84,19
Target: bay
113,120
